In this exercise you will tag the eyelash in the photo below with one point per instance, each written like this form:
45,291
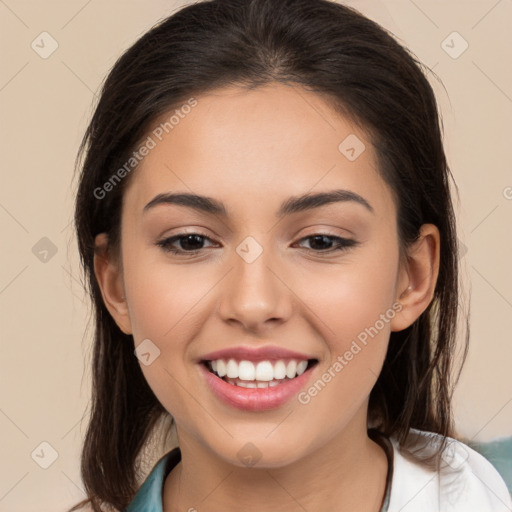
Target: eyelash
343,244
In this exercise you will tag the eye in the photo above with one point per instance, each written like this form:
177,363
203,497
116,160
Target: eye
320,240
190,243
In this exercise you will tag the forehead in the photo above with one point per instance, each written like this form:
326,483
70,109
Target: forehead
251,145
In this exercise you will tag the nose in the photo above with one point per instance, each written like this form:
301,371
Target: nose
255,295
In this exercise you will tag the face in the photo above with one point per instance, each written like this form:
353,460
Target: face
321,280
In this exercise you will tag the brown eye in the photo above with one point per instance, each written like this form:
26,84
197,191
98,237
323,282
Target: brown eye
190,243
323,243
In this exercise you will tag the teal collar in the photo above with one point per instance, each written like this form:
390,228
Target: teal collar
149,496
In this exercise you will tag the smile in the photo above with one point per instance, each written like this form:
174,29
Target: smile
256,386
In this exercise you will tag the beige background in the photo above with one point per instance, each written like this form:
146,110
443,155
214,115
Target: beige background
45,105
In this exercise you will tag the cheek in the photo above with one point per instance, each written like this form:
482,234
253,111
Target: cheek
351,297
163,309
164,298
167,306
357,342
354,308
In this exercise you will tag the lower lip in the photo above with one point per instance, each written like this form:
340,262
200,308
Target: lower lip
255,399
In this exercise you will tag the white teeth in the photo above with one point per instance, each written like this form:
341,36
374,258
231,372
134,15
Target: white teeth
221,367
263,371
249,384
301,367
291,369
246,370
232,369
280,370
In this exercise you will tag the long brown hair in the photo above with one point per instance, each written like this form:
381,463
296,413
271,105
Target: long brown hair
368,76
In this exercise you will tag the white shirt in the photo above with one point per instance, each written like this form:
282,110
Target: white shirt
466,481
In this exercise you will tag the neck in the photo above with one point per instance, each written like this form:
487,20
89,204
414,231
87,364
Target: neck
349,470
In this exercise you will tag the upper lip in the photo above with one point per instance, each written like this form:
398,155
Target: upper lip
268,352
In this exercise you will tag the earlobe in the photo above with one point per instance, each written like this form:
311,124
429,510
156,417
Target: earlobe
110,280
418,277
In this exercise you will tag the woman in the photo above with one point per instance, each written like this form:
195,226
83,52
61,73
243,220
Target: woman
265,221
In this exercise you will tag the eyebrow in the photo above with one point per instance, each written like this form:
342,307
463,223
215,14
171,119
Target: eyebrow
292,205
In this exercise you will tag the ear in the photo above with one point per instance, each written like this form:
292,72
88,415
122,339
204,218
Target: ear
417,277
110,279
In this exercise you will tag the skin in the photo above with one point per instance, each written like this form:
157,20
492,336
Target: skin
252,150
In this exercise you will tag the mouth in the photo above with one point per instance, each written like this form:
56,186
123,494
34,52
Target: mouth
258,374
257,386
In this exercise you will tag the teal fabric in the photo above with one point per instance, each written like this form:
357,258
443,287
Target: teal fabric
149,496
499,453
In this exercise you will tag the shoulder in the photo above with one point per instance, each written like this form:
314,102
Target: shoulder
464,482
